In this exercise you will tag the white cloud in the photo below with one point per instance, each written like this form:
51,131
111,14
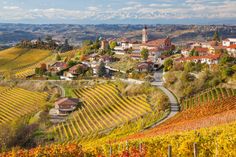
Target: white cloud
131,10
11,7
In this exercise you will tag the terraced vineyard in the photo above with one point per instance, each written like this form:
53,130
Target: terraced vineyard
24,72
207,96
22,61
17,102
104,108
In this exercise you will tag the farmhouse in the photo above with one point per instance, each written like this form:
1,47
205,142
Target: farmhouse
57,67
232,50
64,106
76,70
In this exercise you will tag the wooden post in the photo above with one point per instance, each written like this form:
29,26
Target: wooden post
169,151
140,147
110,150
195,153
127,145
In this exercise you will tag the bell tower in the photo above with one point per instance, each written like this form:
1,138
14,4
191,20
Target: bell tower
144,35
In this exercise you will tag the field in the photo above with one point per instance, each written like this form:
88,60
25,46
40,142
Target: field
17,102
209,95
104,108
17,58
214,141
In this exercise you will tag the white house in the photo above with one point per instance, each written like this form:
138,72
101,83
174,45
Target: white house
208,59
229,41
232,50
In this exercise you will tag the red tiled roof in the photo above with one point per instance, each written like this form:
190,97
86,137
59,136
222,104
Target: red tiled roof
226,39
212,57
232,46
155,42
60,64
65,103
201,49
75,67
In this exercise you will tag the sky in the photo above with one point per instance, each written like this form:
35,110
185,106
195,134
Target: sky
118,11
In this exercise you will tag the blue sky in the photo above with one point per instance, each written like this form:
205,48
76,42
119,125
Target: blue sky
119,11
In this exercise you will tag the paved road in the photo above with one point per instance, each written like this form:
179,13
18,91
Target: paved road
174,106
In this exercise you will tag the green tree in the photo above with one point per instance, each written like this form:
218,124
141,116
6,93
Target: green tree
101,70
87,42
216,36
72,63
58,57
168,64
145,53
113,44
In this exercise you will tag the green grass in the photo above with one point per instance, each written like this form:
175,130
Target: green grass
69,92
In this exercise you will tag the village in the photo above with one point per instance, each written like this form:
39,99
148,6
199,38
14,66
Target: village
149,55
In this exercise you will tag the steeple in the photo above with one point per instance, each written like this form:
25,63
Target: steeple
144,35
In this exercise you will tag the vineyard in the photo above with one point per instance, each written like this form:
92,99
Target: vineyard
207,96
213,141
24,72
103,108
22,61
17,102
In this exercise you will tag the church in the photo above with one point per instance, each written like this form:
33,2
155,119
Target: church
154,45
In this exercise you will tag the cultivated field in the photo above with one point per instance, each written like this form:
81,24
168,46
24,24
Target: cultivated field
17,102
17,58
103,108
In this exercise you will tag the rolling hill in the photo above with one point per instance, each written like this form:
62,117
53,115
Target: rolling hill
17,58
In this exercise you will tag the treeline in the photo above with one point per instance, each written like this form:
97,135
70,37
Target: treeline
48,44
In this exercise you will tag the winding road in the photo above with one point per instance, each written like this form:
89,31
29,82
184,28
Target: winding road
174,106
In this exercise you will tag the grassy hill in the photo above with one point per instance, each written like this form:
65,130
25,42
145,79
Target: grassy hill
17,58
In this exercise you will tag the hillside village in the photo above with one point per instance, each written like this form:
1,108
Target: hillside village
106,91
97,58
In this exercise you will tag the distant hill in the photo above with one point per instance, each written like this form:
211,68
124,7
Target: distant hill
13,33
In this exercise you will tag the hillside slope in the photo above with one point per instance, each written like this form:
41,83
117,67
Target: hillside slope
15,58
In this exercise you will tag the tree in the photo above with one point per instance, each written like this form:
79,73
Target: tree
216,36
113,44
58,57
87,42
101,70
168,64
145,53
72,63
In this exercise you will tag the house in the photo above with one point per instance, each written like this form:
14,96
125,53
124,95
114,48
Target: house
185,52
232,50
159,44
106,59
73,71
202,51
57,67
208,59
229,41
64,106
145,66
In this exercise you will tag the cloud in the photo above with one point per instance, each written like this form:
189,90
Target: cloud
188,9
11,7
